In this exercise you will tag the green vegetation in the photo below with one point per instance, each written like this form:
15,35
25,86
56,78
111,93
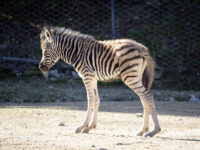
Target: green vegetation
182,99
26,89
37,89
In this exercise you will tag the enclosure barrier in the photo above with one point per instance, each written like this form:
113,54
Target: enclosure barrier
170,29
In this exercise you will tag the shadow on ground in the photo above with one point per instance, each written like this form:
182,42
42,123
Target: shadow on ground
162,107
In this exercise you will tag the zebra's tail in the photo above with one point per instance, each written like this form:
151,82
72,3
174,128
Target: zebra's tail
149,72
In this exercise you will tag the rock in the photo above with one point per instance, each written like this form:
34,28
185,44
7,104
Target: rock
18,74
61,124
158,71
54,73
194,99
68,73
75,74
53,79
158,93
70,81
158,74
171,99
64,66
50,87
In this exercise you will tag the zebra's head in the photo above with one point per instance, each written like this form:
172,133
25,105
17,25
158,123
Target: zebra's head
49,50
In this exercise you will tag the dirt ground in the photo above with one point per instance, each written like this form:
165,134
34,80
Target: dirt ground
36,126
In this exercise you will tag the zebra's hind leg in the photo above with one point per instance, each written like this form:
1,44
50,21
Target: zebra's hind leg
89,84
148,105
131,74
149,108
145,126
153,113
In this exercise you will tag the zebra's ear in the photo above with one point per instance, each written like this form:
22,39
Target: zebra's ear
48,35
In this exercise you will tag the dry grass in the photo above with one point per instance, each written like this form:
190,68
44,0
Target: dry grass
38,126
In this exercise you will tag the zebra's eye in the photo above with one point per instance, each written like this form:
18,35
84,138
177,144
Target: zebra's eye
43,38
47,46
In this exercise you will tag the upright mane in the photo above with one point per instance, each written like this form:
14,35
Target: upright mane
56,31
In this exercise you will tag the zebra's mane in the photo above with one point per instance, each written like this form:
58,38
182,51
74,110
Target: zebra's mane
58,31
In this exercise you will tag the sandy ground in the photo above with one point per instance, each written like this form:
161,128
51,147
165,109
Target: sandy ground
36,126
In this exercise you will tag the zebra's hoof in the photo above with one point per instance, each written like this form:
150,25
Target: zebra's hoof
77,130
86,130
152,133
141,132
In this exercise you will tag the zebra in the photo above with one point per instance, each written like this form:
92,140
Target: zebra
106,60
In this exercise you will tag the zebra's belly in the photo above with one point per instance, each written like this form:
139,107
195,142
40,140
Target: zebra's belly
108,77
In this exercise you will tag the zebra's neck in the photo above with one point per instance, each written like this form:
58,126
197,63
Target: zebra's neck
71,49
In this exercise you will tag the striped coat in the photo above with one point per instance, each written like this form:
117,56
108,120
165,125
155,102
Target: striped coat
107,60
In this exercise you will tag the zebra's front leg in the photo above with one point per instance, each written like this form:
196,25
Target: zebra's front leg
89,84
87,118
93,123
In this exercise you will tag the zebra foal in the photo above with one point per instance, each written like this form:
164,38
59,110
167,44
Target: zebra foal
95,60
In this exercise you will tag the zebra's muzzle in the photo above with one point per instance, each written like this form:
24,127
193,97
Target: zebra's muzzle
43,67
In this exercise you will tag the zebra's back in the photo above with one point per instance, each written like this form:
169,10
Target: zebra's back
107,59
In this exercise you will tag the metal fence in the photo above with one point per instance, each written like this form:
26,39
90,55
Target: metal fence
170,29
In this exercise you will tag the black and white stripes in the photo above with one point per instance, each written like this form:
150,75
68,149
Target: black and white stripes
95,60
